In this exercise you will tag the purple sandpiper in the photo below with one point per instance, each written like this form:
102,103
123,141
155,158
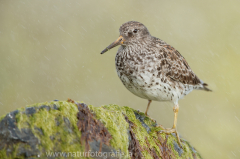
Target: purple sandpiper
151,69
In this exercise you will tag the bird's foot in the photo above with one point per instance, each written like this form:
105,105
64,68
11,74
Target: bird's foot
170,131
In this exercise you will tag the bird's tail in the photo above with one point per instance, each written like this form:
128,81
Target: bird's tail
205,87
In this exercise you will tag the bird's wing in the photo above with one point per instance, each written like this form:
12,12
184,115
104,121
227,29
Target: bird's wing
176,67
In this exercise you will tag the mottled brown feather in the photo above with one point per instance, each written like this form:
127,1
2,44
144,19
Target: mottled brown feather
176,67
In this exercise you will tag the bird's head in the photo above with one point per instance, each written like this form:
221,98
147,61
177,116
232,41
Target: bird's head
130,32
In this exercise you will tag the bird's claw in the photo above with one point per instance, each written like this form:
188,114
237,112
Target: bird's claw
169,131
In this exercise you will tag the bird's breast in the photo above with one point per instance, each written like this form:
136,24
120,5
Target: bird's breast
135,68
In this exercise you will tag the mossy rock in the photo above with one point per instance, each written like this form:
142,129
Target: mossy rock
67,129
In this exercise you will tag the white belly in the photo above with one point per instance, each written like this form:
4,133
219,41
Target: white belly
145,88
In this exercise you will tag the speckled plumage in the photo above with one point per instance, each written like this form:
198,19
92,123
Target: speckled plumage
151,69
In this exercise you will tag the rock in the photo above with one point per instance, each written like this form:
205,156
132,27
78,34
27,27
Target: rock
69,129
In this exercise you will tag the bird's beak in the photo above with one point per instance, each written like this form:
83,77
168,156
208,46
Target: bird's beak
119,41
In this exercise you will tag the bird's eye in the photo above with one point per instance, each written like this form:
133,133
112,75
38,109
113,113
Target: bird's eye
135,30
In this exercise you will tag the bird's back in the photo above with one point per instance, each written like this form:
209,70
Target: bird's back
176,67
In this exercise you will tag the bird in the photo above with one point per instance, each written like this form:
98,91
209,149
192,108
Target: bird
152,69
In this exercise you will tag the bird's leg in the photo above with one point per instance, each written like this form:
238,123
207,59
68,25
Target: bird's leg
149,102
174,128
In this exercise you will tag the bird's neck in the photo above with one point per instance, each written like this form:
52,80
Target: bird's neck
137,46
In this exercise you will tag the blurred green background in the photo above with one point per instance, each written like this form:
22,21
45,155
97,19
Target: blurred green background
51,50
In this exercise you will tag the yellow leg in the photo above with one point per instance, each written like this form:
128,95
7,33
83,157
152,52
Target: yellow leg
175,110
149,102
174,128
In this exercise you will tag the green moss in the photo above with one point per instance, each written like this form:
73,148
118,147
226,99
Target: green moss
170,141
189,148
3,153
142,134
68,139
111,116
2,117
46,121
